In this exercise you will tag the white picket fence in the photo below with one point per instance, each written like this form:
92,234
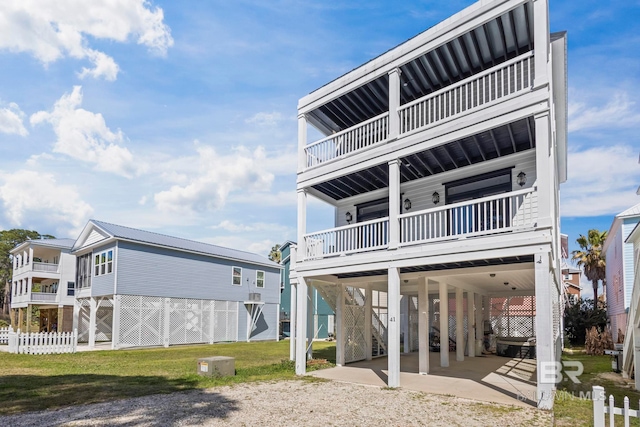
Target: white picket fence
600,409
39,343
4,335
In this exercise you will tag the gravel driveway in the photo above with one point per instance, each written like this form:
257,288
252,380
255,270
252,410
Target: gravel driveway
287,403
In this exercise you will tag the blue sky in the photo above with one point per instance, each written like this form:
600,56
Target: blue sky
180,117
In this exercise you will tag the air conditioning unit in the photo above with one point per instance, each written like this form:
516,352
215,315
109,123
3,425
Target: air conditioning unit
254,296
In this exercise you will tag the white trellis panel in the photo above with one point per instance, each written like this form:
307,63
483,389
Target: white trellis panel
141,321
225,321
83,320
104,319
355,343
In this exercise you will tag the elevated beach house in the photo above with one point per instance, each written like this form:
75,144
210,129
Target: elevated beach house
442,158
138,288
43,277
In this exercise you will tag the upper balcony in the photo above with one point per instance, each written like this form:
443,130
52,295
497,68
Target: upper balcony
438,77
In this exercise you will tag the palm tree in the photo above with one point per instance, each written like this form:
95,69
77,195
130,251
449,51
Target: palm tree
275,254
591,258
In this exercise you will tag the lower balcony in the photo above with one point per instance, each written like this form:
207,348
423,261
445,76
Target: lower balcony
502,213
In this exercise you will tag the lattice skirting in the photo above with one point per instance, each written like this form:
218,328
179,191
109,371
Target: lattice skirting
153,321
104,319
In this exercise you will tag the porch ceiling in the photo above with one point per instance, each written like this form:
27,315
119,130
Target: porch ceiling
485,46
501,141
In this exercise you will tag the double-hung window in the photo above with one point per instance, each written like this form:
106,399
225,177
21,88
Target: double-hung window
259,279
236,276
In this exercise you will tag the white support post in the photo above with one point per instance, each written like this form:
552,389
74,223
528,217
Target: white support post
302,143
636,353
115,323
292,321
277,322
76,313
92,322
301,327
598,396
471,321
394,203
544,170
459,325
166,339
444,325
29,282
479,322
368,319
541,41
404,307
302,224
311,333
340,325
394,103
423,326
545,351
393,328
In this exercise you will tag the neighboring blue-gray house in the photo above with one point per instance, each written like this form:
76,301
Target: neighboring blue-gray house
323,315
138,288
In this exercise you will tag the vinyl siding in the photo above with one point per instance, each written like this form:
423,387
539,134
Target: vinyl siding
628,225
420,191
148,270
615,288
102,285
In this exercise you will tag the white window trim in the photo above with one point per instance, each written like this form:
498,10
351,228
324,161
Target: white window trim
264,279
106,263
233,269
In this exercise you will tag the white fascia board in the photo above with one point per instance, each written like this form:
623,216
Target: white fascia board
509,112
559,74
86,231
471,17
526,243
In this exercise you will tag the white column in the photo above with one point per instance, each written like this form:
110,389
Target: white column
301,327
404,307
31,257
394,103
459,325
545,351
478,322
636,352
340,325
471,321
76,314
544,170
115,323
541,41
444,325
166,310
292,321
302,142
423,326
92,322
394,203
393,327
302,224
29,282
368,319
311,332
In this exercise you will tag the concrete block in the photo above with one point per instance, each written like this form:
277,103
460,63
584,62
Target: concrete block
217,366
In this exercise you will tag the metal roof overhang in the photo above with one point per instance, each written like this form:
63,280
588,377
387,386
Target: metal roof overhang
498,142
486,46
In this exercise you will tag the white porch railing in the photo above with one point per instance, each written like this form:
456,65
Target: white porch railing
499,213
43,342
479,90
365,134
44,296
360,237
600,409
45,267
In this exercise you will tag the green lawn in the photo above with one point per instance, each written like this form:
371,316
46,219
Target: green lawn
30,382
570,410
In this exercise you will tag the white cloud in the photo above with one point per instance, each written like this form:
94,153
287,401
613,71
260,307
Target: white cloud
256,246
618,111
602,180
236,227
11,118
50,30
85,136
212,177
265,119
32,194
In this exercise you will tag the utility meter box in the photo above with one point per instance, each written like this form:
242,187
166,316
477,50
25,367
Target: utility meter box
217,366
